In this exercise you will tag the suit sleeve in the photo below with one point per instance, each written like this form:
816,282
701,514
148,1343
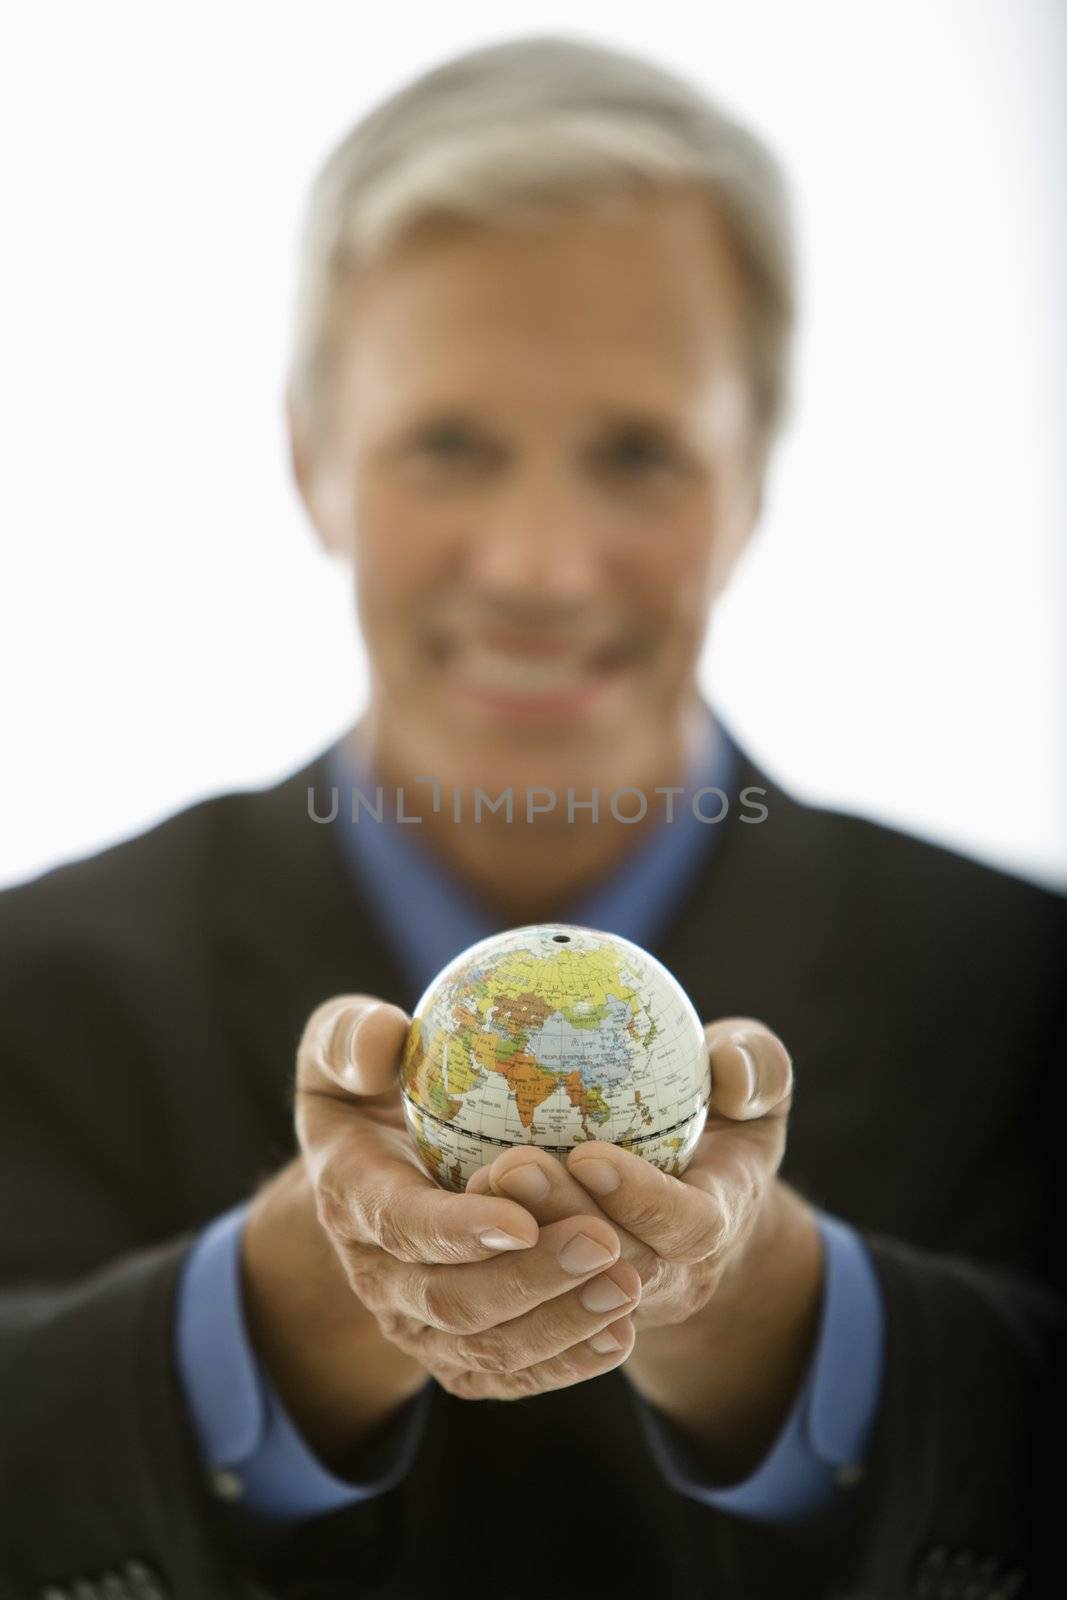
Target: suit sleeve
100,1472
955,1489
97,1465
102,1484
250,1445
821,1444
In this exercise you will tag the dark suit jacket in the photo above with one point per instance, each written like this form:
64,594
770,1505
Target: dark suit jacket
153,997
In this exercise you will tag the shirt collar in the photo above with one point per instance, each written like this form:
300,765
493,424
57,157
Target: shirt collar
429,915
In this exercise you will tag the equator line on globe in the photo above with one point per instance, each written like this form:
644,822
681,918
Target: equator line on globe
551,1035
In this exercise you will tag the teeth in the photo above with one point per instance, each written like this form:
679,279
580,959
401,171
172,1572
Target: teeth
491,669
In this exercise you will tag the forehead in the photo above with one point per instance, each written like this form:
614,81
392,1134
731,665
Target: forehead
647,294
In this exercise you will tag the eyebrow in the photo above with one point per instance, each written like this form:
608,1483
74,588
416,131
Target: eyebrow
631,418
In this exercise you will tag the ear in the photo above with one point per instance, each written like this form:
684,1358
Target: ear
326,497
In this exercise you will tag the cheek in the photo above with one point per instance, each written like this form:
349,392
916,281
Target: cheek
671,579
401,551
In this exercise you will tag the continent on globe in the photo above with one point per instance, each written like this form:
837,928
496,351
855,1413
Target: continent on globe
549,1035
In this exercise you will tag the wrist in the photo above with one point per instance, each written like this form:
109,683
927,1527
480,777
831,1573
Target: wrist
333,1370
728,1376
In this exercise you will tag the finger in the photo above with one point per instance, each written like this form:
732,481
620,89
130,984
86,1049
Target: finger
348,1061
538,1335
744,1140
370,1185
703,1213
468,1299
675,1222
547,1189
352,1044
751,1070
582,1361
478,1182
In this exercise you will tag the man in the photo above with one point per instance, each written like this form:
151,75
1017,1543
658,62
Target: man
248,1346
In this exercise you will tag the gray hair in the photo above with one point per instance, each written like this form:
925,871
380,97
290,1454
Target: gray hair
503,133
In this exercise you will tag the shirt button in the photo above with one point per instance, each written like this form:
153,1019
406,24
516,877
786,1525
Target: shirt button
849,1475
227,1485
143,1581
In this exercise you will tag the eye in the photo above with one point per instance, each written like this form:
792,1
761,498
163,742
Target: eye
449,443
637,452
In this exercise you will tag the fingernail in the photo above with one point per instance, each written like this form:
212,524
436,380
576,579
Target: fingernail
581,1254
497,1239
350,1066
367,1012
525,1183
738,1042
595,1174
603,1344
603,1294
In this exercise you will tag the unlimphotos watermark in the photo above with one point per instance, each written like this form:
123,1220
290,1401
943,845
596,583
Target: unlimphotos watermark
628,804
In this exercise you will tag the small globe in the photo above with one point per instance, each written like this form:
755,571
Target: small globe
551,1035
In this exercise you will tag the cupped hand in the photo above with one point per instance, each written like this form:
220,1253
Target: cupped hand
489,1302
683,1235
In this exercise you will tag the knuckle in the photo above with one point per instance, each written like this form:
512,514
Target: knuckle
404,1333
564,1370
645,1215
488,1351
695,1240
440,1307
464,1383
365,1276
719,1244
454,1381
752,1191
420,1294
523,1383
655,1273
332,1212
391,1232
393,1324
448,1251
474,1384
511,1282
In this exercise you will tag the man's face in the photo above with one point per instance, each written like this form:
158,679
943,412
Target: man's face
540,463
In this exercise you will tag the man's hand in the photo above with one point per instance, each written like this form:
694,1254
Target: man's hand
468,1285
730,1258
682,1234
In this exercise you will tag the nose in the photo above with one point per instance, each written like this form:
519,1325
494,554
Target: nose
538,541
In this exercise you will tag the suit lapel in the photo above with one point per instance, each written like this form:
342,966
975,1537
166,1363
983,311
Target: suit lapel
754,928
753,935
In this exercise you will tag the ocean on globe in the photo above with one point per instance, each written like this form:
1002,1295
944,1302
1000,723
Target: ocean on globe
549,1035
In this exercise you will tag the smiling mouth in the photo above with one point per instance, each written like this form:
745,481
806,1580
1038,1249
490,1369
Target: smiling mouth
528,673
481,667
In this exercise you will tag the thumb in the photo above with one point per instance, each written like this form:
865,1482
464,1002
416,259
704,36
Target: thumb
352,1042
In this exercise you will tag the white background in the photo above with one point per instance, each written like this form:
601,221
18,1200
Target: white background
893,643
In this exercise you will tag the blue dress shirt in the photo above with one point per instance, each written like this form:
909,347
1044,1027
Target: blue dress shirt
247,1440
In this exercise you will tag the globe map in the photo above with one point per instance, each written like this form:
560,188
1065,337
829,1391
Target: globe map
550,1035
